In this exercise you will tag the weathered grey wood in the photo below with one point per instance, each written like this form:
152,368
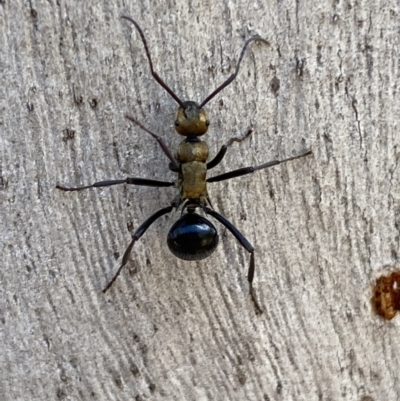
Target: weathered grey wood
324,228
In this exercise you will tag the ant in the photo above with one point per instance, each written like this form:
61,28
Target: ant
192,237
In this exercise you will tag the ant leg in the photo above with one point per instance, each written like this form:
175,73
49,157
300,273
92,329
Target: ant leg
136,235
249,170
129,180
160,141
220,155
245,244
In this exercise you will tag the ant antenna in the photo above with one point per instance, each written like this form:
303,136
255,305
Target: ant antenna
155,75
233,76
168,89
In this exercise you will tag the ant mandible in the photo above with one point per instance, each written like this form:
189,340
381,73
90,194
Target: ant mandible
192,237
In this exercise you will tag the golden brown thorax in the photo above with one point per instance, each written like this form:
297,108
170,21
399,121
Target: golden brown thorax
192,151
193,157
191,121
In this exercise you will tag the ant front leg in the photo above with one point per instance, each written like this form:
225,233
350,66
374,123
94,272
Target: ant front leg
220,155
173,165
245,244
130,180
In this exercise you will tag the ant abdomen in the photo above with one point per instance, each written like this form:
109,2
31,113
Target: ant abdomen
192,237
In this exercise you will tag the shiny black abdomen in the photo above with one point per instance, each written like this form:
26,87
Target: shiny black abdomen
192,237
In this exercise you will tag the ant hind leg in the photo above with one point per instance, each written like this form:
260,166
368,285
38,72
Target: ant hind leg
246,245
136,235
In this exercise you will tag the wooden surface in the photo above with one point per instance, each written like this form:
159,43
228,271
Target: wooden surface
324,227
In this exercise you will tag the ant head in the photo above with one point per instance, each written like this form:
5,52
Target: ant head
191,120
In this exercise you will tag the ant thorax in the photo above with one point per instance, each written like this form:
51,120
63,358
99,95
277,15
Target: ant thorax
192,156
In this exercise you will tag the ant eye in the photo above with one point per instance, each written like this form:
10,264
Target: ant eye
176,123
207,123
